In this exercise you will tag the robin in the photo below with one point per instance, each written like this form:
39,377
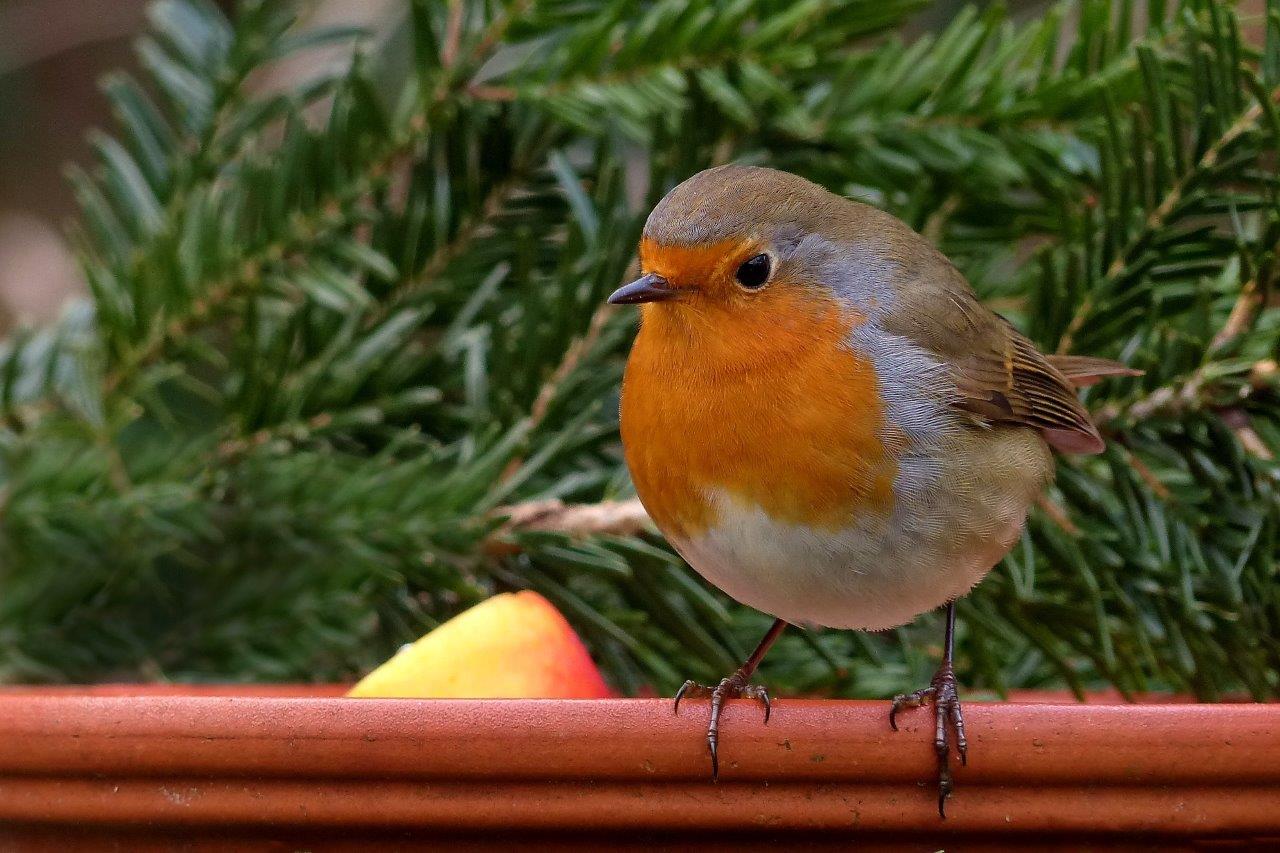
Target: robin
826,423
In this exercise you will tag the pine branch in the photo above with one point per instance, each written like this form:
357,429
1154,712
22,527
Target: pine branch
341,378
331,218
1160,218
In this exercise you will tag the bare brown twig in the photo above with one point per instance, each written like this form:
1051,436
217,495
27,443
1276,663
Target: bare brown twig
616,518
453,33
1057,514
572,358
547,393
1241,317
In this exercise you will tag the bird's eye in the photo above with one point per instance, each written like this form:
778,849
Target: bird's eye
754,272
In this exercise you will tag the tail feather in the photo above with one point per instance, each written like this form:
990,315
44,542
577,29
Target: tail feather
1085,370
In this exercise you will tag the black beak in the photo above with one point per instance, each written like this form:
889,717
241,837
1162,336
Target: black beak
647,288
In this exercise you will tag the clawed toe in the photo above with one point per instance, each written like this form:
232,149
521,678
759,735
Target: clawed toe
735,686
946,712
948,717
908,700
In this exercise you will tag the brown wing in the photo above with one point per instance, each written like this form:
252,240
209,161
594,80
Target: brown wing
1010,381
1085,370
1000,376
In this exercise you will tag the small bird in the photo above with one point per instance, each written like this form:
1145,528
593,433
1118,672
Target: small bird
826,423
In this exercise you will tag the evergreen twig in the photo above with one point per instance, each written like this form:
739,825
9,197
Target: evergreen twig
340,377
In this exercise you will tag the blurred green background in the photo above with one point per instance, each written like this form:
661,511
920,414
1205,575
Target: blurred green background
319,302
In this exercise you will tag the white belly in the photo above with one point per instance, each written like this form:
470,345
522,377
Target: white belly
860,578
872,575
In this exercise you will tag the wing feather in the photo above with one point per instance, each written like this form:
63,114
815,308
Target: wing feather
1000,376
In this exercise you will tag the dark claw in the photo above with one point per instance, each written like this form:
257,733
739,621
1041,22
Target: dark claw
680,695
732,687
946,705
902,700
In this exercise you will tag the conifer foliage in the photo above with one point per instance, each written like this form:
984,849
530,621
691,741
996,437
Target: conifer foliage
335,332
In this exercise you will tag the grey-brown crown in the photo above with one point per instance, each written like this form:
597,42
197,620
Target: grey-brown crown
734,201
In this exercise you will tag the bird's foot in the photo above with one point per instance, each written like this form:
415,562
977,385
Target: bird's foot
948,715
734,686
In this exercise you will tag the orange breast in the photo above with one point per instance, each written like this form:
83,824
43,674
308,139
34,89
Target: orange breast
767,405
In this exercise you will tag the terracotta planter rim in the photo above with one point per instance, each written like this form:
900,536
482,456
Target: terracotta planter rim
480,765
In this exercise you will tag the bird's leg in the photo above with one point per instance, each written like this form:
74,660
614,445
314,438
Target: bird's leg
946,708
735,685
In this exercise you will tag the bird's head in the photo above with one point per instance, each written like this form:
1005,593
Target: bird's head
749,258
